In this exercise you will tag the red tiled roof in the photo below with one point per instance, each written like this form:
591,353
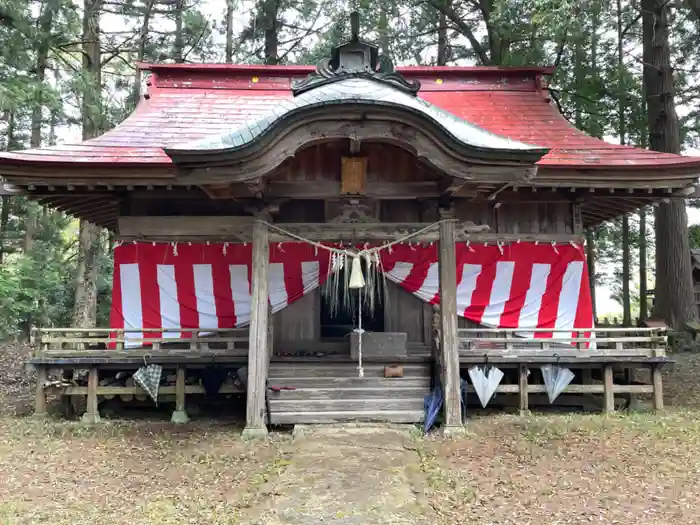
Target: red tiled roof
188,102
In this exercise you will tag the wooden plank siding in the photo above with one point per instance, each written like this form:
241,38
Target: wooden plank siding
404,312
300,321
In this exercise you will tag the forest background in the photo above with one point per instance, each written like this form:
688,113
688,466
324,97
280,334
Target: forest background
67,72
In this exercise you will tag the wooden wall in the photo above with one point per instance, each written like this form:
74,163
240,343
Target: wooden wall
518,217
404,312
300,321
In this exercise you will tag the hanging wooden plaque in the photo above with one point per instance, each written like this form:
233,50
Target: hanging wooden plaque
353,175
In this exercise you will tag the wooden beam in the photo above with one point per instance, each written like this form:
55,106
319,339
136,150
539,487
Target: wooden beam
257,347
238,228
144,227
448,320
324,189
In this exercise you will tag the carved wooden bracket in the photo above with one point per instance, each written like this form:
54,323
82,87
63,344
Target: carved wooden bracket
263,211
257,187
355,212
446,210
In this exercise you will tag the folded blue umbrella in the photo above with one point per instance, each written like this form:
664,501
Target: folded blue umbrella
432,404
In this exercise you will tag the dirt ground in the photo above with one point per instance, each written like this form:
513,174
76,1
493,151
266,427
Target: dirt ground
637,468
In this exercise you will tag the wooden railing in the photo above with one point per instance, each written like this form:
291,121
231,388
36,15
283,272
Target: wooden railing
595,341
62,341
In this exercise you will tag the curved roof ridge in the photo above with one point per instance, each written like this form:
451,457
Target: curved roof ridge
359,91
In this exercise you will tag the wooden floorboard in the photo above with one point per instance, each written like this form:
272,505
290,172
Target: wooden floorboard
386,416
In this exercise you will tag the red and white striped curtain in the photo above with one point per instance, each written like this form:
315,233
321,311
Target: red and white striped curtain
201,286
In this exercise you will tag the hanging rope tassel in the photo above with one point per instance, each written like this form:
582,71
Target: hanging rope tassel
360,370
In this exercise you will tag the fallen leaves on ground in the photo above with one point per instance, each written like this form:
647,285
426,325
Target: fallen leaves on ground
628,469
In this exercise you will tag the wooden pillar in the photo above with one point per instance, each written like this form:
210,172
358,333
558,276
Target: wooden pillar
633,400
448,315
257,347
658,387
522,390
609,395
180,413
92,415
40,405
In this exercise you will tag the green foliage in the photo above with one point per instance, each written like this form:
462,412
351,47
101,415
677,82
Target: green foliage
33,286
694,234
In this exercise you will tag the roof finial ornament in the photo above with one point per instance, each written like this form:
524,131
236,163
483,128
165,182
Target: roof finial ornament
355,59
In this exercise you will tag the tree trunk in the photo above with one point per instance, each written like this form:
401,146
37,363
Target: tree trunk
179,46
383,30
626,301
442,44
42,55
590,258
595,126
141,51
85,307
622,133
270,8
498,46
674,284
92,99
4,218
229,31
5,214
29,227
643,310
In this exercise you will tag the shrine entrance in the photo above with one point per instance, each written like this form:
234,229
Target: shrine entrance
339,320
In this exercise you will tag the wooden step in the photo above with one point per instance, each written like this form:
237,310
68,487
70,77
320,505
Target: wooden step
390,416
340,370
351,382
397,392
345,405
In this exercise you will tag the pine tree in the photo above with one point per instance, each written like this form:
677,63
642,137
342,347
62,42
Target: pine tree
674,287
85,306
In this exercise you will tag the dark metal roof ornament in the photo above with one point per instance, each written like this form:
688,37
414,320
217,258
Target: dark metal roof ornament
355,59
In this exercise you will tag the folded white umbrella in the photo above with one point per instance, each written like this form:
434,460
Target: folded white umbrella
556,379
485,380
